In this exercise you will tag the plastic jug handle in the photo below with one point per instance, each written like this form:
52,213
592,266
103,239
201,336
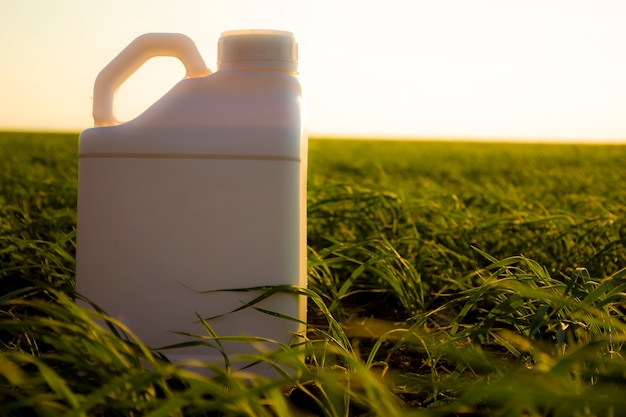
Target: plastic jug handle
131,58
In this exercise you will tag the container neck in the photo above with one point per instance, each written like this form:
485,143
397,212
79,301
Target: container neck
258,66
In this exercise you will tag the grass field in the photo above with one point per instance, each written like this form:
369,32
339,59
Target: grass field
444,279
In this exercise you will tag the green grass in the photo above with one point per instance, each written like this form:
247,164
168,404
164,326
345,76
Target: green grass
444,279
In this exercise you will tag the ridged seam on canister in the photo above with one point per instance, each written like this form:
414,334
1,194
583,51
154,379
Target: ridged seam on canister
105,155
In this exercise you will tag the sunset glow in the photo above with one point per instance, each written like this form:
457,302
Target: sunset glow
532,69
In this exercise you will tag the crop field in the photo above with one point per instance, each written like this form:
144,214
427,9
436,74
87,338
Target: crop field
444,279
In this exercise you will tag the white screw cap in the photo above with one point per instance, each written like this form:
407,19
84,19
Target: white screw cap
257,49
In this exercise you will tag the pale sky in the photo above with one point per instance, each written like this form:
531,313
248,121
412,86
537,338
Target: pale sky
552,69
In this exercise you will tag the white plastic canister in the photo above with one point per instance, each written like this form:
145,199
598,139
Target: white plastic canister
203,191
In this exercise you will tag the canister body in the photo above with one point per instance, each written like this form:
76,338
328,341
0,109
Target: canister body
204,192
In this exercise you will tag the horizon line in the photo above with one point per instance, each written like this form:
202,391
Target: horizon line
397,137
